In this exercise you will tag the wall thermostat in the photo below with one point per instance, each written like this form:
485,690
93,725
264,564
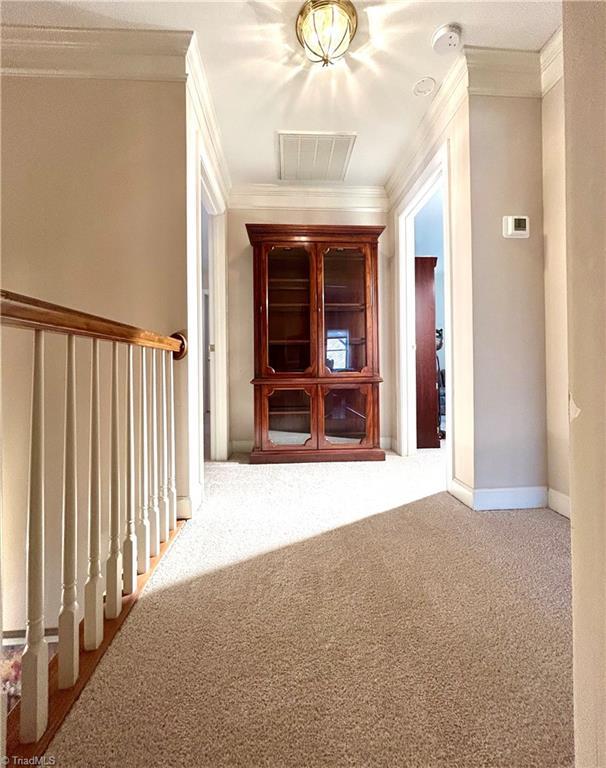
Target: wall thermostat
516,226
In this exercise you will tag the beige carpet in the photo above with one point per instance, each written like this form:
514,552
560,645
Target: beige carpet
424,635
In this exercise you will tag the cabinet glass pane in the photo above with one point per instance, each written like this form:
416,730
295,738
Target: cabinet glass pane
344,309
345,416
289,417
289,323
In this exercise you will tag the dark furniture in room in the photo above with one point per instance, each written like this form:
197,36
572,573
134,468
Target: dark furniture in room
316,383
428,420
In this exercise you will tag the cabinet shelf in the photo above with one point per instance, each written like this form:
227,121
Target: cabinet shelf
344,307
287,305
289,341
289,413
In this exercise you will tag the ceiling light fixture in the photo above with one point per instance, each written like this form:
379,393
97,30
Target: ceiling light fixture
325,29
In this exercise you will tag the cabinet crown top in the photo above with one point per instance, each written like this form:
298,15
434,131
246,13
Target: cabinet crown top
328,233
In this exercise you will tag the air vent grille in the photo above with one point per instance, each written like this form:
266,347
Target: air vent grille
314,156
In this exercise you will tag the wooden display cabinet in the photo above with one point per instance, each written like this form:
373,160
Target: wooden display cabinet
316,336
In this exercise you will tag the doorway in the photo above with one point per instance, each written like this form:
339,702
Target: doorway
206,342
423,344
431,372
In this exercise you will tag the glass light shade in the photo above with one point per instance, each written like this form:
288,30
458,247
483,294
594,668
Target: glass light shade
325,29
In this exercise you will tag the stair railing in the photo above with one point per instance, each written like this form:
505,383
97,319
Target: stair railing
135,535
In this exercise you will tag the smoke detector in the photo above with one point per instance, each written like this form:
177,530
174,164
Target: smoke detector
446,39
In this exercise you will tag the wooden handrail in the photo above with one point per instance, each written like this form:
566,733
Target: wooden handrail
26,312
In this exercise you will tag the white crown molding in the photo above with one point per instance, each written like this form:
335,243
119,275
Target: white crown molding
216,178
442,109
499,72
476,72
552,62
301,197
122,54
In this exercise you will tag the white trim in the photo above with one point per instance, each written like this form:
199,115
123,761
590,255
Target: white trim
241,446
500,72
216,179
303,197
386,443
559,502
497,499
437,170
218,337
115,54
552,62
447,101
485,499
208,186
461,491
478,72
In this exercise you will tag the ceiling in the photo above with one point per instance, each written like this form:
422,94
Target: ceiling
261,82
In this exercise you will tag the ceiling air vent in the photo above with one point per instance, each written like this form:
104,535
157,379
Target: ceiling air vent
307,156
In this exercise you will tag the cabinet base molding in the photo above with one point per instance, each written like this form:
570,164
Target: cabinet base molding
293,457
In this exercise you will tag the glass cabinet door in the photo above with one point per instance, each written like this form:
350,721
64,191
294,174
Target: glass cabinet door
344,293
290,304
290,417
345,415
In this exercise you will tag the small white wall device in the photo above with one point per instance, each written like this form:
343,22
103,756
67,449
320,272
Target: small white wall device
516,226
446,39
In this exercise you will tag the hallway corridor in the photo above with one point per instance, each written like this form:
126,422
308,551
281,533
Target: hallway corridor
340,615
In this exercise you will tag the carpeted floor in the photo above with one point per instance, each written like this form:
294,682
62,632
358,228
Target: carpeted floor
311,618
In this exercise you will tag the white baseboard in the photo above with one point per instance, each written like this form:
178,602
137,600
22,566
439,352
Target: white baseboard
241,446
532,497
386,443
485,499
461,492
559,502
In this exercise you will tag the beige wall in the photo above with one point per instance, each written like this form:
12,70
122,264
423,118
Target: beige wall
455,137
508,294
93,216
584,43
240,266
556,327
497,330
462,374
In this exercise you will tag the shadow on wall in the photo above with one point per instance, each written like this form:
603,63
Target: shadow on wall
425,635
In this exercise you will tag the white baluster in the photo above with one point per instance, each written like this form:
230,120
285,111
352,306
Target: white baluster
3,707
130,540
172,489
113,599
164,501
69,640
34,664
93,590
154,506
143,537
